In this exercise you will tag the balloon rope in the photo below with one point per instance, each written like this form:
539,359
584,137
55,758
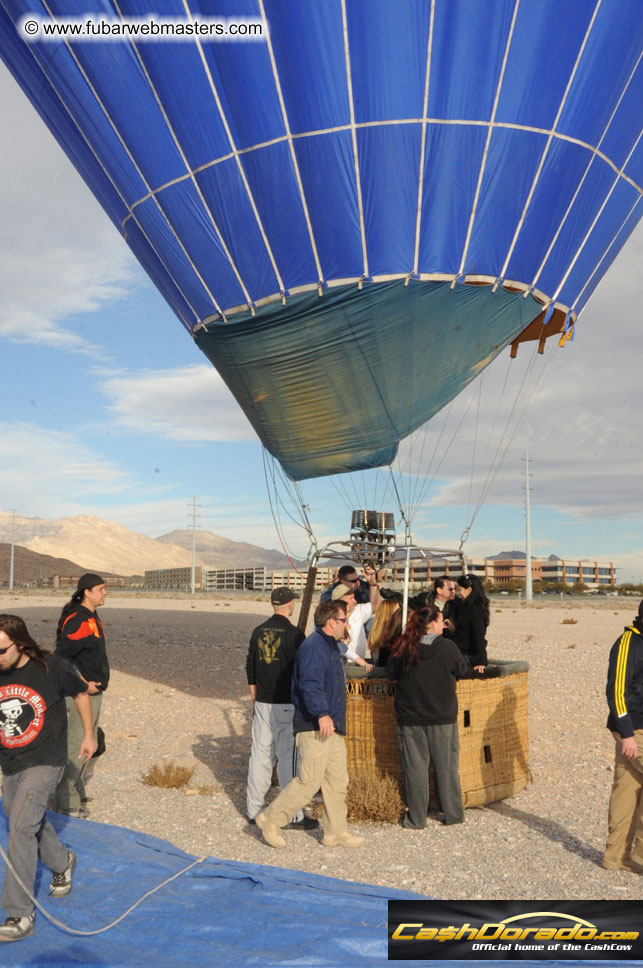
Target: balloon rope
112,924
428,483
497,464
475,444
272,511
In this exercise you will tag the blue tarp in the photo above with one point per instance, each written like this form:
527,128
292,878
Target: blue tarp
219,913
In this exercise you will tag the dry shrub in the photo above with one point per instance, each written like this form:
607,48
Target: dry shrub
170,775
374,796
569,621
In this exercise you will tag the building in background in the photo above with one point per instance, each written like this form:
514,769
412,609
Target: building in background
503,569
510,567
177,578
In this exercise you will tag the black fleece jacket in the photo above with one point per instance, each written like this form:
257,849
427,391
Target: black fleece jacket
425,694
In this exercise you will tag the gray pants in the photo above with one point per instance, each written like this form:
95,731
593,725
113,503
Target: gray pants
24,799
272,735
419,747
71,789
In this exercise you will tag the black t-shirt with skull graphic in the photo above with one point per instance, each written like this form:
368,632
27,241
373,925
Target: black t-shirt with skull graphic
33,715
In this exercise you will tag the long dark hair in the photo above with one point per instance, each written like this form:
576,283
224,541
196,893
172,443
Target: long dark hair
417,627
71,605
477,597
14,628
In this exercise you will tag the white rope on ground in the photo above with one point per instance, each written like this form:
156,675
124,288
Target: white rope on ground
112,924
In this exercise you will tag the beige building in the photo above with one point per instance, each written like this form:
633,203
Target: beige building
570,571
174,578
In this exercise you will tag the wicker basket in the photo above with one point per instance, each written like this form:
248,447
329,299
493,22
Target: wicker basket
492,726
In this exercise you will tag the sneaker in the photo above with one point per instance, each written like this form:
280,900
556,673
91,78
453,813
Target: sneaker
271,832
15,929
342,840
61,883
252,821
308,823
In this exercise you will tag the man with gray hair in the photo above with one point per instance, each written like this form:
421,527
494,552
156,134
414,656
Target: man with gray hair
269,665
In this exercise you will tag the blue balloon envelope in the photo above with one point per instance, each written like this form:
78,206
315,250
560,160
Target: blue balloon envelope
356,211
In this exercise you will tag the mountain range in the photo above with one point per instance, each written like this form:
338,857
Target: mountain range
87,543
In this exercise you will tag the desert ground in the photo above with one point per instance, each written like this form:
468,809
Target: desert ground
178,692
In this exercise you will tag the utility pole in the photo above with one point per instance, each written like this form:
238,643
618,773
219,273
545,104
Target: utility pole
528,586
13,541
194,510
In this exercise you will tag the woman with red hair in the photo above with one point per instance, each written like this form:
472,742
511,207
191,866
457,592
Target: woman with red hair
427,666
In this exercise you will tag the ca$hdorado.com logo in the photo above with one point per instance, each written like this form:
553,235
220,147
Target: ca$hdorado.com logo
502,935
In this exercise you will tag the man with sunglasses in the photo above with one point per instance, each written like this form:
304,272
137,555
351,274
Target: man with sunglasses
347,575
319,698
33,752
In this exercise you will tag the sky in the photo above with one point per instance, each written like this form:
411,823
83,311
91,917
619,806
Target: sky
108,407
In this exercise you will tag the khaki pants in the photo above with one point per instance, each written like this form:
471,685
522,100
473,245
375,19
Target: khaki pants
321,763
625,837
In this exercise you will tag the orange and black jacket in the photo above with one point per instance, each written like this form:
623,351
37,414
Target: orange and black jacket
625,682
82,642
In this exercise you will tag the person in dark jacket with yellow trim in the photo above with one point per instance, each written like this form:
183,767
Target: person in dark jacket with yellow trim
624,848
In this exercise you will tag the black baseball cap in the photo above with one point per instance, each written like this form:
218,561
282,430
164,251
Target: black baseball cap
283,595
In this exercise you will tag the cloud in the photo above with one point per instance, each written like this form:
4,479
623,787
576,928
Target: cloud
581,421
191,403
53,470
60,256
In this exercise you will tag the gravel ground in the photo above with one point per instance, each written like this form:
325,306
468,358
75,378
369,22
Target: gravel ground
178,692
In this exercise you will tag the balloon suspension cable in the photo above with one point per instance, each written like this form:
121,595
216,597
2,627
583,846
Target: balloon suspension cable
407,521
464,537
274,516
408,541
498,458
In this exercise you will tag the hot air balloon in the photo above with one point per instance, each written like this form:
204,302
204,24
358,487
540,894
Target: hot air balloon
366,202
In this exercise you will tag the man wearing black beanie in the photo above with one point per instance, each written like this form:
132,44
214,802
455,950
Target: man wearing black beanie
80,639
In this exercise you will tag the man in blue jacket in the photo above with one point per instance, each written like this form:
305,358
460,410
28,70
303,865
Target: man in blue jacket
319,698
624,848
